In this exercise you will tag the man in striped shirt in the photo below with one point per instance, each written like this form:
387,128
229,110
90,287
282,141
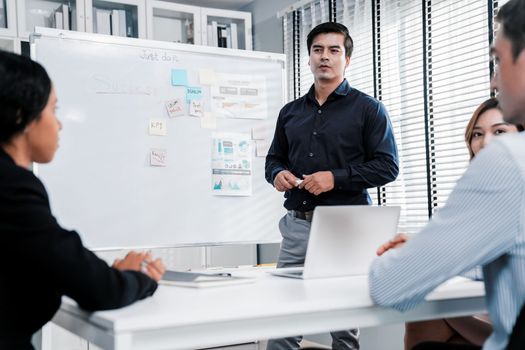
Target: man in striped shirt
483,222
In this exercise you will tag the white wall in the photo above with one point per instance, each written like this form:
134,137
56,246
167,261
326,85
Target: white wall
267,28
267,32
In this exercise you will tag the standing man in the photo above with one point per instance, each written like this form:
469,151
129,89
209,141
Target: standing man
483,222
329,147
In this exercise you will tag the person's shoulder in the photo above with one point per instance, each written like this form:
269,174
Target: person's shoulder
502,157
512,139
9,171
14,177
362,95
364,98
512,144
371,107
298,102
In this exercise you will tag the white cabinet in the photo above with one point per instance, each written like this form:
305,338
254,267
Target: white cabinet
116,17
173,22
152,19
62,14
9,44
198,25
8,18
225,28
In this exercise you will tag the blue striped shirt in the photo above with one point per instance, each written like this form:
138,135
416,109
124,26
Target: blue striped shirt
481,224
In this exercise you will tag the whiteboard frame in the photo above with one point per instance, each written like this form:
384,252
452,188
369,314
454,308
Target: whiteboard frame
155,44
134,42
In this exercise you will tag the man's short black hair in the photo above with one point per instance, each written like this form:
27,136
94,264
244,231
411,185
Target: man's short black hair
512,18
331,27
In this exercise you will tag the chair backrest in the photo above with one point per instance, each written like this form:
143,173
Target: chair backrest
517,337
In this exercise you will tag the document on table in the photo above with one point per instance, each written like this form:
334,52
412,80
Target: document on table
202,280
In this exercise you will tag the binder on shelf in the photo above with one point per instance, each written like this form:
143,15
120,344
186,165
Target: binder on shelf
234,38
118,22
115,23
66,14
59,20
102,21
221,35
189,31
122,22
60,17
228,38
209,35
215,41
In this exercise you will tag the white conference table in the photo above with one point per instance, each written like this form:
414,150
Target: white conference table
192,318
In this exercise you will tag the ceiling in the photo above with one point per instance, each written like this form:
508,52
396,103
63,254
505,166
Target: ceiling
221,4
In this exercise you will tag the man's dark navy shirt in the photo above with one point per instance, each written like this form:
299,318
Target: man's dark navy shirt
349,135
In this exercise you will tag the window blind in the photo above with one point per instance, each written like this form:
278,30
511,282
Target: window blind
311,15
360,73
358,15
290,44
400,87
459,80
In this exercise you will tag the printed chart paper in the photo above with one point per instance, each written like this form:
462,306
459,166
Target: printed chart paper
231,164
240,96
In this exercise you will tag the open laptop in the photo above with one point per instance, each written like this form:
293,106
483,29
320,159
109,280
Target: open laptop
344,240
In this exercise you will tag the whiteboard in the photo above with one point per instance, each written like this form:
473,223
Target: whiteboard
101,182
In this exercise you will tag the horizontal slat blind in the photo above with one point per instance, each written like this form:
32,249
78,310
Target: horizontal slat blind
400,87
311,15
290,43
357,16
459,81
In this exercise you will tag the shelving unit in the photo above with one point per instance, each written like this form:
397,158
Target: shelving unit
117,17
61,14
9,44
173,22
7,18
152,19
199,25
225,28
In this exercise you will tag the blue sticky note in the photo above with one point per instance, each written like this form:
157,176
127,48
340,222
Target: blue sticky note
193,93
179,77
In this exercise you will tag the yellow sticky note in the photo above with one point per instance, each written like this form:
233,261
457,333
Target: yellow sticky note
207,77
157,127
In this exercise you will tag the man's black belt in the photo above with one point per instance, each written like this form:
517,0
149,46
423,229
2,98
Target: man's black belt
304,215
